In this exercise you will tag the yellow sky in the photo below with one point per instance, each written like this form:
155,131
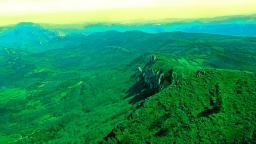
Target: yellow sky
117,11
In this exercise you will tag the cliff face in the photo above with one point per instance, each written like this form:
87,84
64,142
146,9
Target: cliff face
153,75
205,106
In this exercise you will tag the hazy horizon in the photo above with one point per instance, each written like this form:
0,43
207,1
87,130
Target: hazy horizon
113,11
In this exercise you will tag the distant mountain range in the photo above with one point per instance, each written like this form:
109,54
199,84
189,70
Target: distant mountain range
36,38
232,25
234,29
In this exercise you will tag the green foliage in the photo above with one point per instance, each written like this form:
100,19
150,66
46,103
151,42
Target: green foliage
183,113
79,88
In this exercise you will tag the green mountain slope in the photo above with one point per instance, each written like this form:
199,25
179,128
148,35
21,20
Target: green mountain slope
80,87
201,106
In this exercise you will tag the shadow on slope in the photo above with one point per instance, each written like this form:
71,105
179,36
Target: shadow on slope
210,106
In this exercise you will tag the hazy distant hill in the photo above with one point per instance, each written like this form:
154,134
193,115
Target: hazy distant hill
26,36
235,25
234,29
37,38
219,51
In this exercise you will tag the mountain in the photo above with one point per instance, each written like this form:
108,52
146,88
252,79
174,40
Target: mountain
118,85
201,106
36,38
233,25
26,36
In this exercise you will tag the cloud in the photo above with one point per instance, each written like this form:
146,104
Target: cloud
19,7
74,11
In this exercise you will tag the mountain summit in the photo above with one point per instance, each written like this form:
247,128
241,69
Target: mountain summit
26,36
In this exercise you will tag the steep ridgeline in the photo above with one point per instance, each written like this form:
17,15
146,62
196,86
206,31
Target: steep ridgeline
199,106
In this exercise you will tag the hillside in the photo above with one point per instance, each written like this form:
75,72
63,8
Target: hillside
200,106
79,87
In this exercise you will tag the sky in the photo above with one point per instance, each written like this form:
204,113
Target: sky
118,11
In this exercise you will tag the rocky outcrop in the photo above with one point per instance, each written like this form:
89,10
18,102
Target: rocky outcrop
154,75
207,106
